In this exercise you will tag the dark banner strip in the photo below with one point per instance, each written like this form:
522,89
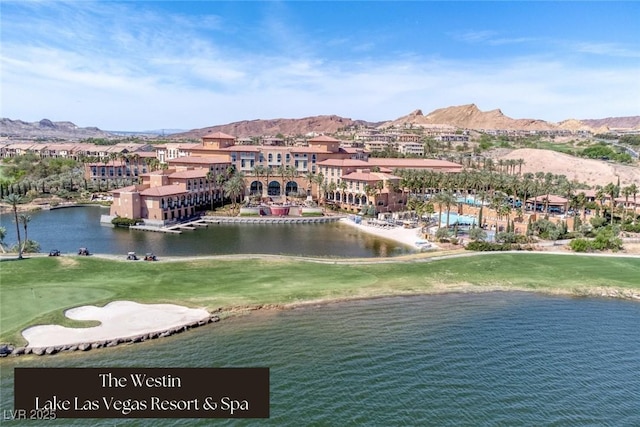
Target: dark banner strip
142,393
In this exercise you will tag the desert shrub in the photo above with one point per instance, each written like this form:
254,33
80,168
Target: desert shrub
572,235
607,238
477,234
543,227
510,237
631,228
580,245
597,221
489,246
443,235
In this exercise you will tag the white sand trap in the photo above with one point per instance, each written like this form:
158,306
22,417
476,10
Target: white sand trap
120,319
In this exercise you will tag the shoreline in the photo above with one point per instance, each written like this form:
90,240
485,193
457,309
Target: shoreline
223,313
213,313
406,236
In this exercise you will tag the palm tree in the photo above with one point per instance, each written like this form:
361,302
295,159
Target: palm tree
319,180
444,198
3,234
343,188
290,173
332,187
633,190
258,171
626,192
580,201
282,172
498,204
14,200
612,190
24,220
371,194
210,179
234,188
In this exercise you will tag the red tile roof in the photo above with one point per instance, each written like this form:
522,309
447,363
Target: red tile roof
308,150
368,176
129,189
196,160
219,135
552,199
344,163
245,148
195,173
413,163
323,138
165,190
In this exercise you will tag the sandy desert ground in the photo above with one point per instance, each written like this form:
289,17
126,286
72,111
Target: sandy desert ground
592,172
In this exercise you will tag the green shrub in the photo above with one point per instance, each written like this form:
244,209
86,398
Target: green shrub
123,222
443,235
572,235
631,228
580,245
481,246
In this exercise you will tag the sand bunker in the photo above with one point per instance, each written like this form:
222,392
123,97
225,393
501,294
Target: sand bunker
120,319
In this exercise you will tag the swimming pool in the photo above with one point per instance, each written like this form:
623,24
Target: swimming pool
454,218
471,200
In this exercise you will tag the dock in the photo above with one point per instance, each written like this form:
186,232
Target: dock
205,221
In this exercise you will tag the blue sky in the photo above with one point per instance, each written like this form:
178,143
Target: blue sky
152,65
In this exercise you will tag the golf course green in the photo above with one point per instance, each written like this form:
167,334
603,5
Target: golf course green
37,290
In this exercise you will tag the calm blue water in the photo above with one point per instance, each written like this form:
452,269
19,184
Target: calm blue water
508,359
71,228
454,217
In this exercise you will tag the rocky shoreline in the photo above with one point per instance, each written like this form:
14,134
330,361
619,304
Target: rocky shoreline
10,350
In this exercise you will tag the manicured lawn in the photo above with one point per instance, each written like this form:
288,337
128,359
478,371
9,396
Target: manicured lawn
38,290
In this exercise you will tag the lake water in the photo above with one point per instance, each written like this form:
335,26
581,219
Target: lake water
449,360
71,228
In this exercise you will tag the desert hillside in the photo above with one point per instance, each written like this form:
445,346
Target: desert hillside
592,172
45,128
248,128
470,117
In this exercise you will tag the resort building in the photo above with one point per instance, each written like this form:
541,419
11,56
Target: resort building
191,177
550,204
127,167
166,152
411,148
364,190
167,196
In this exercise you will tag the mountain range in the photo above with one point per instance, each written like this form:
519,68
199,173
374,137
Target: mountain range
463,116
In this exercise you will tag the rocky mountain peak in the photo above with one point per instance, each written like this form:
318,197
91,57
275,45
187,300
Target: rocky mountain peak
46,123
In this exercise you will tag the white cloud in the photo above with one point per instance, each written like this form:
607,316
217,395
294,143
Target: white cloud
148,71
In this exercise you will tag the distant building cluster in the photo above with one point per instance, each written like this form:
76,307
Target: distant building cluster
192,177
